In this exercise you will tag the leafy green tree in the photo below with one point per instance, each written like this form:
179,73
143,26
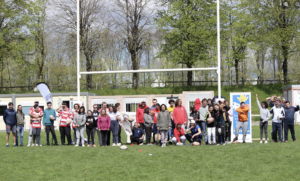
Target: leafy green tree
189,31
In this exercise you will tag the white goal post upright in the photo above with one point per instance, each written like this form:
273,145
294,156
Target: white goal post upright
148,70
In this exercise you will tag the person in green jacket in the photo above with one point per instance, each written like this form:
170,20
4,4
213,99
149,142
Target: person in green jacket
48,119
164,124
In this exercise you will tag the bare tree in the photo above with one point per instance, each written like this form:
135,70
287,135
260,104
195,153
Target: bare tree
134,19
91,25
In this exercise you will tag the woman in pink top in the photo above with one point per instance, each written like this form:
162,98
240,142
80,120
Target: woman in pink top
179,114
103,126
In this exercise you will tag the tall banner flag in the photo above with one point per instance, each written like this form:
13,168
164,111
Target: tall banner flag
44,90
235,100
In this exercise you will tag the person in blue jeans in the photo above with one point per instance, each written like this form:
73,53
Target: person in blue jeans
195,135
289,120
202,112
278,115
20,125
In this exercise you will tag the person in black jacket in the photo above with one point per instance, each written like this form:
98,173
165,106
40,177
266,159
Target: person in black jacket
225,109
90,124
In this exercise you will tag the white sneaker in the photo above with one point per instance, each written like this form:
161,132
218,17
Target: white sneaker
32,145
28,145
261,141
119,144
40,145
76,145
36,145
141,144
83,145
266,141
114,144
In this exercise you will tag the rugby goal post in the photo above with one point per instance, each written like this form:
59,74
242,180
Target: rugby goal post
148,70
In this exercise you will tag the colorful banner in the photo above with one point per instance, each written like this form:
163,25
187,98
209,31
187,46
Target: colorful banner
235,100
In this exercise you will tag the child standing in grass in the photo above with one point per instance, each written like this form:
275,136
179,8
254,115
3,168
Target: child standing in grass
164,124
90,122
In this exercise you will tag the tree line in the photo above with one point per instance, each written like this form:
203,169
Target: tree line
259,38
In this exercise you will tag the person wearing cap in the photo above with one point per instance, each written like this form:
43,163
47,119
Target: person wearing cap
49,117
140,114
163,124
203,111
195,135
243,121
31,110
156,133
10,120
179,135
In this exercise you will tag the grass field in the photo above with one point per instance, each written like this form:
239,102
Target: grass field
251,161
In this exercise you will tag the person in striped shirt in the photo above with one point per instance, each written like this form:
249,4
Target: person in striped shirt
36,126
31,110
65,115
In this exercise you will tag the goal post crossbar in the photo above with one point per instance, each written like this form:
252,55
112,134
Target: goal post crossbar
146,71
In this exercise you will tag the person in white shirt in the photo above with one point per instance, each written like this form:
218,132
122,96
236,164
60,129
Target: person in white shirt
278,115
114,126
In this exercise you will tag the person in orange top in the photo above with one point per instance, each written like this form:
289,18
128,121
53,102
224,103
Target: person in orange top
243,121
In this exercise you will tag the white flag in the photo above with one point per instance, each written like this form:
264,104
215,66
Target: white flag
44,90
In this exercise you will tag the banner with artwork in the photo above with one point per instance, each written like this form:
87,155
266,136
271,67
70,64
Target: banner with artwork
235,100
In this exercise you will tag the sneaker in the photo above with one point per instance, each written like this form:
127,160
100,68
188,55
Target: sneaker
7,145
295,140
141,144
88,145
261,141
36,145
244,141
149,144
191,144
217,144
94,145
113,144
266,141
224,144
76,145
83,145
15,145
279,141
286,141
21,145
131,144
119,144
56,144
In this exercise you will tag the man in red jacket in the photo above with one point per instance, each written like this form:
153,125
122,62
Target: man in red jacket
140,114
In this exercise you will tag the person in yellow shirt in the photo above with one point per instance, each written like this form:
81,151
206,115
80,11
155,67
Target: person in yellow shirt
243,121
171,109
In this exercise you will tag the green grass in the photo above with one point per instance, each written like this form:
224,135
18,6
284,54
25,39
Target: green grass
254,161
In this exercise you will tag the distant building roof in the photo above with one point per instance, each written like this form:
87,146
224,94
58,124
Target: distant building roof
53,94
290,87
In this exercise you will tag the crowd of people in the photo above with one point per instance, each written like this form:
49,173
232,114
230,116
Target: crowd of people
208,124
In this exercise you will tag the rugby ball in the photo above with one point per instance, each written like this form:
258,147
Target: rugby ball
123,147
196,143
